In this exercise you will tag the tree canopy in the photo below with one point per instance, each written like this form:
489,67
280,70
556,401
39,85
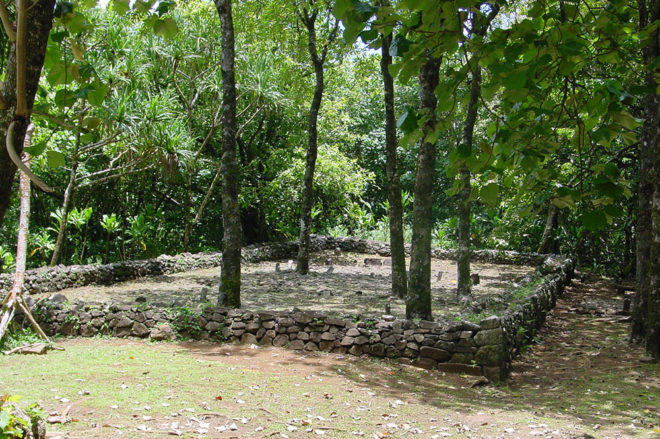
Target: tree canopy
533,125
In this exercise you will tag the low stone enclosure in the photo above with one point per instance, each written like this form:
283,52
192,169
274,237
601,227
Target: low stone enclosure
482,347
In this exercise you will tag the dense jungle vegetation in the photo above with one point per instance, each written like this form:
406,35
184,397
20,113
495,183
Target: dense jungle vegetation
528,126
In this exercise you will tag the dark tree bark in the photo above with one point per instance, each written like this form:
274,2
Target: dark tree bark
230,276
39,23
308,18
464,208
646,308
397,245
418,302
548,239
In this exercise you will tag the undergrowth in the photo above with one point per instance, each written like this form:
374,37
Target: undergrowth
17,336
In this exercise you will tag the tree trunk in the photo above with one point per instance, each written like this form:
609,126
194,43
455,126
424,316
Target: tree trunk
397,245
312,151
14,298
66,209
464,287
548,239
230,276
187,205
40,21
646,308
418,302
464,209
68,200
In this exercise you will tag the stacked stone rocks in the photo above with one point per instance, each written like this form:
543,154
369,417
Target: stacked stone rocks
460,346
456,346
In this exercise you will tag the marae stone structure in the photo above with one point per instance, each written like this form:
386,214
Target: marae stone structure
483,348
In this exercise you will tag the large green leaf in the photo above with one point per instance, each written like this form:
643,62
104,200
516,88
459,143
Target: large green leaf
490,194
55,159
400,45
408,121
515,80
121,6
594,220
166,27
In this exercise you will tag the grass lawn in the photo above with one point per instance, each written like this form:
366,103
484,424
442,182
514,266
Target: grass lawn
130,388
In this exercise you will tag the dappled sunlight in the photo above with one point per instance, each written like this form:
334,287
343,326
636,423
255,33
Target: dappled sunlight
341,285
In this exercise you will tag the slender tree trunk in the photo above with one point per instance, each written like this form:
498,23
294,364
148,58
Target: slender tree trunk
646,307
312,152
14,298
23,225
547,244
230,277
66,209
187,205
418,302
464,287
68,200
464,209
397,245
40,21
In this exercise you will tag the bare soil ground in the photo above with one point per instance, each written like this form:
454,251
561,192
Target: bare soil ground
351,288
580,379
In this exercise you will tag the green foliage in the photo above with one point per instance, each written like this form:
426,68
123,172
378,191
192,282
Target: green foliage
185,321
17,336
11,426
130,97
339,184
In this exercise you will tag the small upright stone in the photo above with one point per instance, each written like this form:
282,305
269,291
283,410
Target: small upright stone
58,298
204,294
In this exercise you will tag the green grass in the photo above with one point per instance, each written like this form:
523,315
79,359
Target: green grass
110,382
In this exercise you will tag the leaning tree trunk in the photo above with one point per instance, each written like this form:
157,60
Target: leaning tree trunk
646,307
464,209
418,302
39,23
14,299
230,276
312,152
397,245
547,244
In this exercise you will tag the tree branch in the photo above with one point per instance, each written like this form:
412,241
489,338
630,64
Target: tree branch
110,177
6,22
19,163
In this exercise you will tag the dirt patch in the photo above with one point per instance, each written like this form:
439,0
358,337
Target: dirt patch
339,285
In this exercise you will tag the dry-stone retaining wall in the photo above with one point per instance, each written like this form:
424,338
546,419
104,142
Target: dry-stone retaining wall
480,348
48,279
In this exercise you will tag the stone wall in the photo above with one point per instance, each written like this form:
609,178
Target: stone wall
487,347
50,279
